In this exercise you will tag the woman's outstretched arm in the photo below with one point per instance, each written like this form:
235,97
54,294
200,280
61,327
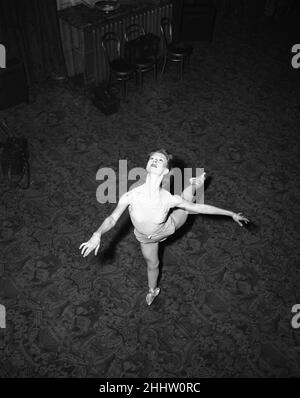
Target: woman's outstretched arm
208,209
94,242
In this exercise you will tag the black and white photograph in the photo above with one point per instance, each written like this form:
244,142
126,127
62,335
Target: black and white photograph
149,193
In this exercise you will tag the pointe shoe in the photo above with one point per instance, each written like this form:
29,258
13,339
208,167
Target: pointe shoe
151,295
199,181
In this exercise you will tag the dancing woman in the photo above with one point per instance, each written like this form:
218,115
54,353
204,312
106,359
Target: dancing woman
149,206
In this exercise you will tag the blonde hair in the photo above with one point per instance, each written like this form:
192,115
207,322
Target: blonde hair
167,155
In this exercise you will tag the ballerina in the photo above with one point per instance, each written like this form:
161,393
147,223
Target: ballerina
149,206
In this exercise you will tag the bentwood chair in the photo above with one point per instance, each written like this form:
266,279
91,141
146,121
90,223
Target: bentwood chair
118,67
136,42
177,53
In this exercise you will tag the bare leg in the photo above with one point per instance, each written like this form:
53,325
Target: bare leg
180,215
150,253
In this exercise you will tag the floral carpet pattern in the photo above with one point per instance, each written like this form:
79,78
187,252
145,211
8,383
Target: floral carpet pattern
226,292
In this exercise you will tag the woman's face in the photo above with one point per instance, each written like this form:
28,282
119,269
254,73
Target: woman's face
157,164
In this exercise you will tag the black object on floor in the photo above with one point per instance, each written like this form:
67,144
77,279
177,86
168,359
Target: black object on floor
105,100
15,159
13,84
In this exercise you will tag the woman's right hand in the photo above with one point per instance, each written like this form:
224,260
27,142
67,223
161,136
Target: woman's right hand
238,217
92,244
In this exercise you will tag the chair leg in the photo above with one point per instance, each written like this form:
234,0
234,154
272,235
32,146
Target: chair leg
136,79
164,65
124,89
181,69
178,71
141,79
109,80
155,70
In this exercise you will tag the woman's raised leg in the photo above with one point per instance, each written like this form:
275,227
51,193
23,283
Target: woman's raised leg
180,215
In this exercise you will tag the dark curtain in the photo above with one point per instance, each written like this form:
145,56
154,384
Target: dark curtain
30,31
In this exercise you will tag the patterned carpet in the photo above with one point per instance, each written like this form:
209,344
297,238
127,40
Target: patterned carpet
226,292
